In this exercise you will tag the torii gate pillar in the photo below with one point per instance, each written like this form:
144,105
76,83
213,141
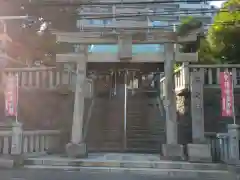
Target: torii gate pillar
77,146
172,149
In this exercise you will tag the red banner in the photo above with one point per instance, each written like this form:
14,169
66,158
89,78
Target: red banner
11,95
227,93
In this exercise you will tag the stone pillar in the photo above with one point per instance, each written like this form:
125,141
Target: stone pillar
172,149
198,150
234,132
16,143
77,148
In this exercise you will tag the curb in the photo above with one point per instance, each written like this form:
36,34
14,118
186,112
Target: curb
127,164
179,173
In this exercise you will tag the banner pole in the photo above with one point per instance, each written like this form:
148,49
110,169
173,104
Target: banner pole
233,101
17,93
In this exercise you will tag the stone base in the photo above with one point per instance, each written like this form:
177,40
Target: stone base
76,150
199,152
173,151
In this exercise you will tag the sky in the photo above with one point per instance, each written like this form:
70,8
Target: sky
217,3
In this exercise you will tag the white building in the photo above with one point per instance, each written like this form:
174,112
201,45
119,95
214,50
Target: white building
160,15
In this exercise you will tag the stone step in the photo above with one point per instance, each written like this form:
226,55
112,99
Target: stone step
145,142
114,138
136,163
104,149
140,149
108,114
145,125
141,130
148,137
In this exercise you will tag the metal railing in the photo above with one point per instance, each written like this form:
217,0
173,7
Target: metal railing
181,79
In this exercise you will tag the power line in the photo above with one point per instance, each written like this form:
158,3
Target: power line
160,26
166,13
74,3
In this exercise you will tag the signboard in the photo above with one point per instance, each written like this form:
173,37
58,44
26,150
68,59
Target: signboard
226,93
11,95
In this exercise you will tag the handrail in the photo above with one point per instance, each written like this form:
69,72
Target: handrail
89,115
161,106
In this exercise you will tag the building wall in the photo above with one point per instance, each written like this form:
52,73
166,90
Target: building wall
185,10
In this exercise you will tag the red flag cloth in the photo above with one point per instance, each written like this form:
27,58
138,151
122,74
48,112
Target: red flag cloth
11,95
226,93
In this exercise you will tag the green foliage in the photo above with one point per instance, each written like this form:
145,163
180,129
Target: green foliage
224,34
177,65
205,53
188,25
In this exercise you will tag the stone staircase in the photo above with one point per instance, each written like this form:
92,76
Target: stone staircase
130,163
145,130
105,131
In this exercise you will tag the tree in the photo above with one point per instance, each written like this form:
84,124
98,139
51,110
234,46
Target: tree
187,25
27,44
205,53
224,34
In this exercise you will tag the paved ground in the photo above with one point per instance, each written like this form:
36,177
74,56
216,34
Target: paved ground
23,174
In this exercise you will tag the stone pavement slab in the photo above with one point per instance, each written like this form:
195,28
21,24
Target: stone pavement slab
38,174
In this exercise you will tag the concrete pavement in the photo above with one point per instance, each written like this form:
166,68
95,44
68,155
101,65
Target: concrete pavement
31,174
109,166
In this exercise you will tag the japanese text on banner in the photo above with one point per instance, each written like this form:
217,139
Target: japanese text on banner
226,93
11,95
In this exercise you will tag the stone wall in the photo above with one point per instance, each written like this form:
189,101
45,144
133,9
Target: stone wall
213,120
184,118
212,111
40,109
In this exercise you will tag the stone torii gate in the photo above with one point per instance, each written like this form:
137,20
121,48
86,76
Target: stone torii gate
124,33
125,54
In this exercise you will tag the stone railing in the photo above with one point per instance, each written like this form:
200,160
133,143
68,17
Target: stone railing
181,79
219,146
41,77
211,72
37,141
